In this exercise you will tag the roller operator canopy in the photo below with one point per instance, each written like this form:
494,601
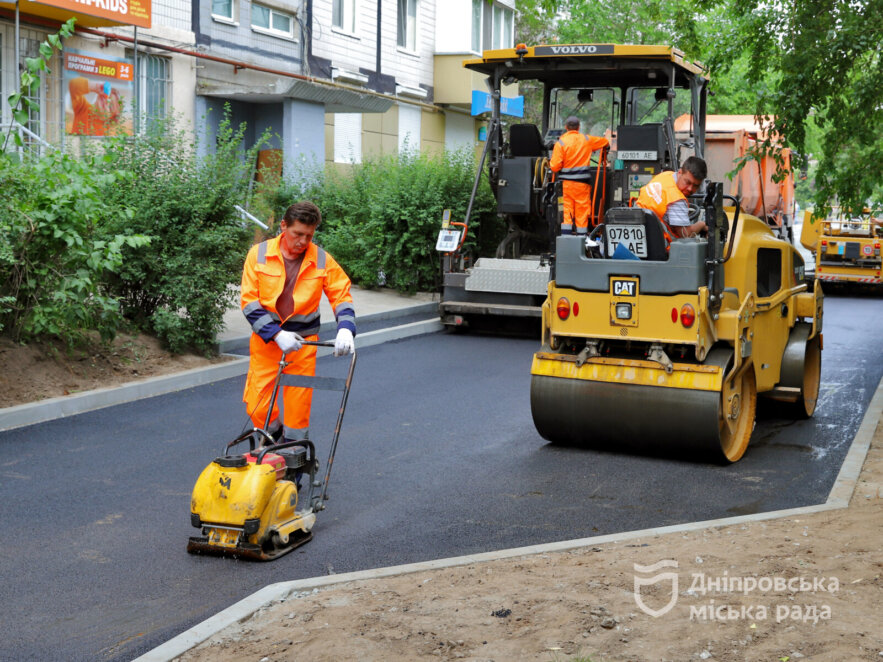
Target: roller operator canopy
607,65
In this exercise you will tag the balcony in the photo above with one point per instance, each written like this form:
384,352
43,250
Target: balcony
453,83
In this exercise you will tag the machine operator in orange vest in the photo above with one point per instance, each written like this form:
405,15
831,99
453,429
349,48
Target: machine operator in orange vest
282,283
571,163
666,195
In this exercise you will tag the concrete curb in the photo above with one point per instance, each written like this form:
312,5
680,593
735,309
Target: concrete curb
69,405
838,497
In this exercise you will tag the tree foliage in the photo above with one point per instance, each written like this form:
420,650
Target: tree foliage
178,287
824,62
54,255
381,218
811,70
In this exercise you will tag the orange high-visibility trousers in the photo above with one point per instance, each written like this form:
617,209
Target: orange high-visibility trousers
577,203
296,400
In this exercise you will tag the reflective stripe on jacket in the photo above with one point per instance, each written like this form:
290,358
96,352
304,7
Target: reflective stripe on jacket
571,156
263,278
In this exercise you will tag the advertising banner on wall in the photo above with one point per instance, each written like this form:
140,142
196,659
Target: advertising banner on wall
98,94
127,12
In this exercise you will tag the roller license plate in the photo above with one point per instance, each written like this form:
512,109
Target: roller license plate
634,238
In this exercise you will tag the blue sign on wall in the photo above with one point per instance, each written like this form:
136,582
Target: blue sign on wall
481,103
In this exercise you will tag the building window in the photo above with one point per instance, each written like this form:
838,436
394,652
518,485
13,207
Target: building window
155,84
224,9
348,138
30,48
407,25
409,129
492,26
271,21
476,24
502,27
344,15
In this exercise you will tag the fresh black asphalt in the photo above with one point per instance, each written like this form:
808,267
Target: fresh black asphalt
438,458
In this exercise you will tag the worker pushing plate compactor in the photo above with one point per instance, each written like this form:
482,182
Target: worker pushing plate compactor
248,505
665,351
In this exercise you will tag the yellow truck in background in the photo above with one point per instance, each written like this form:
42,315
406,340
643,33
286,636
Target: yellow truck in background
846,246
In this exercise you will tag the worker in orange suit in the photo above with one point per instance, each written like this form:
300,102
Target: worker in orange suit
571,163
282,284
666,195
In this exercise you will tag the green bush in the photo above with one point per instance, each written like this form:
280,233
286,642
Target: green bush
381,218
178,287
54,255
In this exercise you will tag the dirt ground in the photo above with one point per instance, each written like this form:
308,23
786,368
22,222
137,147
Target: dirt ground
38,371
805,588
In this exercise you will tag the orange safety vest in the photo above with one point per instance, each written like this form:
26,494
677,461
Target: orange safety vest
571,155
657,194
263,278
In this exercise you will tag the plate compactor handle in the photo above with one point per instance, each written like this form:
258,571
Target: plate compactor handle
332,384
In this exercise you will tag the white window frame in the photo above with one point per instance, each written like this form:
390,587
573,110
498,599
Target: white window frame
476,6
412,48
271,30
492,37
233,19
143,82
349,23
348,138
501,14
410,125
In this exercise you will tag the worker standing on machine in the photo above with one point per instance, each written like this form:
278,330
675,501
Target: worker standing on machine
282,284
570,162
666,196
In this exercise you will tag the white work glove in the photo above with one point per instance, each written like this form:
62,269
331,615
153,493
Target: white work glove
344,343
288,341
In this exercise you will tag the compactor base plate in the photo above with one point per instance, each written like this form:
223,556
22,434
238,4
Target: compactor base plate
201,545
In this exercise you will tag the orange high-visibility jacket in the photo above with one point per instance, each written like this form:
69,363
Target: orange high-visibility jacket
571,154
660,192
263,278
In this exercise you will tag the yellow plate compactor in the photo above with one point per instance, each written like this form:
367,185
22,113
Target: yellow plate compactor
247,505
668,349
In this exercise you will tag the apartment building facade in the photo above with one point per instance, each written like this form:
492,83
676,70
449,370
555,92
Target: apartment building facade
395,47
329,81
143,92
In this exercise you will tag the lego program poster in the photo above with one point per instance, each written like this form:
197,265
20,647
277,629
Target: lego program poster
98,94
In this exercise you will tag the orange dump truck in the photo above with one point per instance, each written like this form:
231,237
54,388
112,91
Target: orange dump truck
728,138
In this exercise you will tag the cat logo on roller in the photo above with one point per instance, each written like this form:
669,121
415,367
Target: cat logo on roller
624,288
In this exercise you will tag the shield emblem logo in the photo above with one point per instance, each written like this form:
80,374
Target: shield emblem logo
649,581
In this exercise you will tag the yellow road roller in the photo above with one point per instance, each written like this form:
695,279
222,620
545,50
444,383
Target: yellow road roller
667,351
